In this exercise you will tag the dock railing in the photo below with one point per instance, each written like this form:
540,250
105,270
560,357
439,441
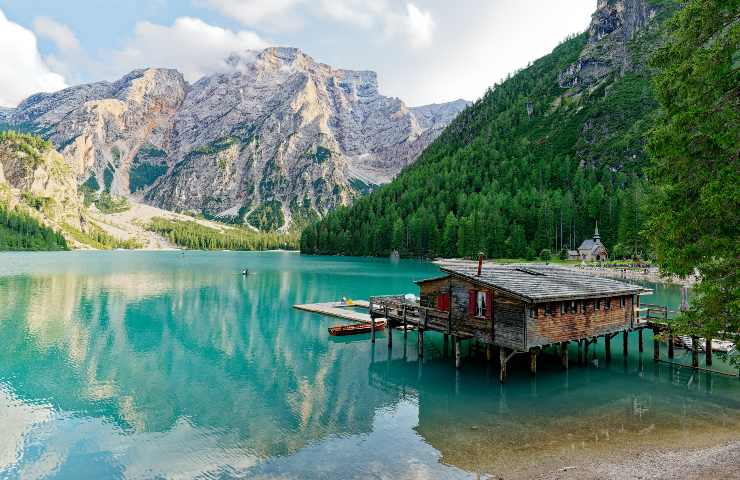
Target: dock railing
399,310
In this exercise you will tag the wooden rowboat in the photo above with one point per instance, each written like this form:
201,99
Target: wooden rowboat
339,330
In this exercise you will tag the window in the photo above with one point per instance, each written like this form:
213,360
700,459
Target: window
443,302
622,302
573,307
481,304
607,303
597,304
562,308
584,305
548,309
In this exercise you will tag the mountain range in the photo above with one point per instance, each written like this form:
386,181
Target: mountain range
530,168
276,140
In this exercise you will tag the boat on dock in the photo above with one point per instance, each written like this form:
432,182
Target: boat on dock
355,329
687,342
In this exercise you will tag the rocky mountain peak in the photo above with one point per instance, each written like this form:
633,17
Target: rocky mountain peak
278,138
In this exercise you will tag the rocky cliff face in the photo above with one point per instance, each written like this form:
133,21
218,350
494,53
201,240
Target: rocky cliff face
279,138
37,177
613,25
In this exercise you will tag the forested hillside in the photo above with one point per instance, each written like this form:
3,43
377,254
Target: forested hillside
19,231
530,166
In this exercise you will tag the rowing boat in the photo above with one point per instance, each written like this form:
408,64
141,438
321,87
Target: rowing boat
355,329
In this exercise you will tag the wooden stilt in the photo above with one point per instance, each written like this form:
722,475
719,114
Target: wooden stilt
372,326
564,355
580,352
489,353
625,343
421,343
390,334
445,345
586,342
656,349
608,347
695,352
458,353
405,324
670,346
533,361
708,352
502,365
639,340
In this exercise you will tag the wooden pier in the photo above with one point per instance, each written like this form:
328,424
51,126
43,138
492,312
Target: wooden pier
339,310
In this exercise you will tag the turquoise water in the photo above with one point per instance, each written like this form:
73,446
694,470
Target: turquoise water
172,365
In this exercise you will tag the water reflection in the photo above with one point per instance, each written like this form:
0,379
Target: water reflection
163,364
559,416
182,351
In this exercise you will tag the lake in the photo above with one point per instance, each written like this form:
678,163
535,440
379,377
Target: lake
172,364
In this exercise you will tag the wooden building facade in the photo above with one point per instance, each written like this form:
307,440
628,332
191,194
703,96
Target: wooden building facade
516,308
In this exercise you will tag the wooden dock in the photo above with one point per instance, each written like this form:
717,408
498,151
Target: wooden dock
339,310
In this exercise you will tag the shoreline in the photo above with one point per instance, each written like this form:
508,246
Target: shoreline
650,274
720,460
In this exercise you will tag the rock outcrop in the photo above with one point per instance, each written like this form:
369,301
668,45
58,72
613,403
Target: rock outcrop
613,25
34,175
278,138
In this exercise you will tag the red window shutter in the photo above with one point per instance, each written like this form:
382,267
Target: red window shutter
489,305
443,302
472,302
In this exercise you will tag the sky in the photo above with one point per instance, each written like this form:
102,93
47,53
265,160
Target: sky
424,51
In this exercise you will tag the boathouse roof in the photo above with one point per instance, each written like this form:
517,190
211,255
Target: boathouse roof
540,283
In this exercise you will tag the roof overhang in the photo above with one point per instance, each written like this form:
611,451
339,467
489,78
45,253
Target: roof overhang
555,298
432,279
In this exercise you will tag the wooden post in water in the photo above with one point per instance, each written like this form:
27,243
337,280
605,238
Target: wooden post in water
695,352
372,324
625,343
586,342
502,365
533,360
389,327
458,353
421,342
608,347
656,349
670,345
445,345
639,340
580,343
564,355
708,352
489,353
405,325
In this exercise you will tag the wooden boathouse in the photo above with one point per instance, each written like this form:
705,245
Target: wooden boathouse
515,309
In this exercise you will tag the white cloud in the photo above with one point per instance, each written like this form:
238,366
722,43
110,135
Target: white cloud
190,45
267,14
62,36
390,18
420,25
70,59
24,71
358,13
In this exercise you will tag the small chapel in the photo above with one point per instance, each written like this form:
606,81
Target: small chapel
590,250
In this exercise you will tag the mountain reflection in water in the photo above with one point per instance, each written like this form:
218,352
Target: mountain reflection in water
148,364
